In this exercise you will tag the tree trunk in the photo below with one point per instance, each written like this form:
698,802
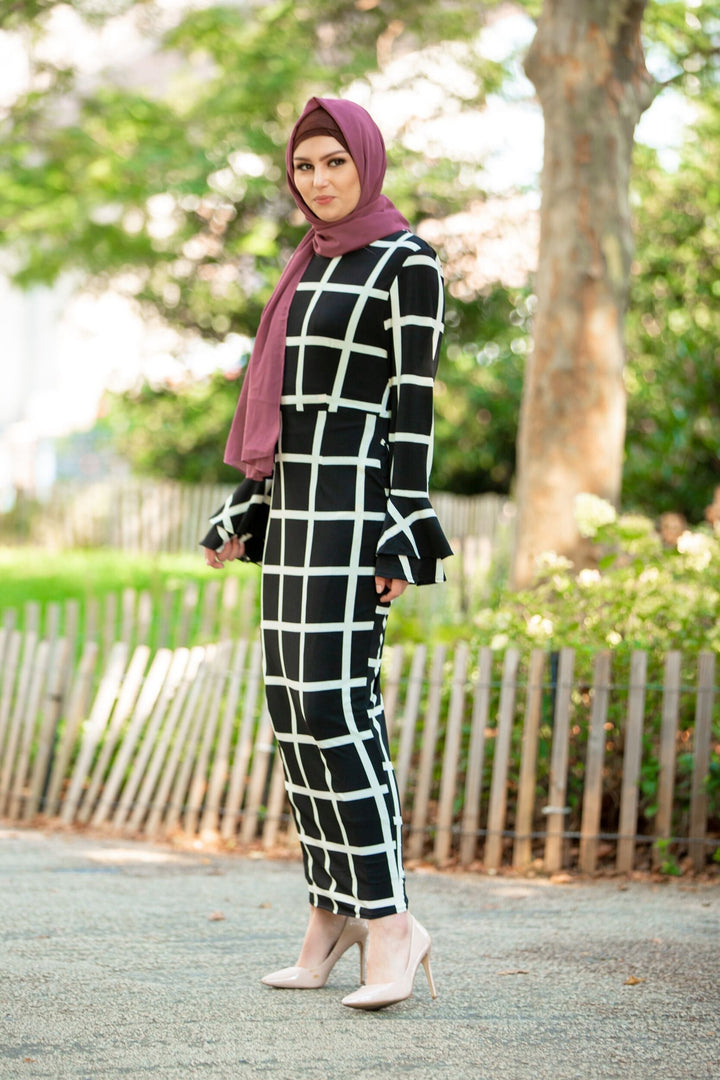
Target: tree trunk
588,68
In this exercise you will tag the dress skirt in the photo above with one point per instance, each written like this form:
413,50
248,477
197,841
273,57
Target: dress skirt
323,632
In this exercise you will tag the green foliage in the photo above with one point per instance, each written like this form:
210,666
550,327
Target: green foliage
176,432
667,863
184,189
177,589
642,595
478,391
673,377
177,195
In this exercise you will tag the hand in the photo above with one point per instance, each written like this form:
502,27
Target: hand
389,589
232,549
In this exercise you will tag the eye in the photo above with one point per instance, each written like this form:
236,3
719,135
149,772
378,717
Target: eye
303,166
338,161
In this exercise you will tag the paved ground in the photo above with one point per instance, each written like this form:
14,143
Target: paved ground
112,965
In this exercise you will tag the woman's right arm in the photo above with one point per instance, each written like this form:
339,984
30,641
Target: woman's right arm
240,524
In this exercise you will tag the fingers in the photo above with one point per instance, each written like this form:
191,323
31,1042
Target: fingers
232,549
211,558
389,589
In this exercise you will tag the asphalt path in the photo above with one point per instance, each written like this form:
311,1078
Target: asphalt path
126,959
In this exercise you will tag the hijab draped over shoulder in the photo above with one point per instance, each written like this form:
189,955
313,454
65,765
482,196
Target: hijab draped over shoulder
256,424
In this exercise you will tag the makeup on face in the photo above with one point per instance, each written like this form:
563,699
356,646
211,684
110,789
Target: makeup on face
326,177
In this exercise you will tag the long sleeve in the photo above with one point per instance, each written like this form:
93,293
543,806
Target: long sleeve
412,544
243,514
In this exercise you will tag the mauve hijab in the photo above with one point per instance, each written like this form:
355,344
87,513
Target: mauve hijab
256,424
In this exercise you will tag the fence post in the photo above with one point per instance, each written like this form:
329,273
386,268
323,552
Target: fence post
476,753
77,705
127,696
54,701
22,697
701,758
632,758
668,748
556,809
243,747
522,851
594,754
451,754
221,762
497,806
94,728
424,777
409,718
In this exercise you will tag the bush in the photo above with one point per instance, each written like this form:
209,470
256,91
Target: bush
643,594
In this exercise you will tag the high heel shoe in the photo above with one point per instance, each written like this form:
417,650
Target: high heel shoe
354,932
378,995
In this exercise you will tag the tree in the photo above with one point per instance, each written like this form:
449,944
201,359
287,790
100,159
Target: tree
588,68
165,191
182,186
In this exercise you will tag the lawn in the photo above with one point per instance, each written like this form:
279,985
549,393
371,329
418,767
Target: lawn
33,573
158,599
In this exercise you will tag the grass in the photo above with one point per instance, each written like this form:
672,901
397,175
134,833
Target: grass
44,576
30,573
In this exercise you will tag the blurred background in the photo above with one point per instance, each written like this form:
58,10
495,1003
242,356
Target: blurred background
144,220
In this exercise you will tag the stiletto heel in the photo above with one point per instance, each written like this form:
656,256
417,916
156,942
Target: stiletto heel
428,972
354,932
363,958
378,995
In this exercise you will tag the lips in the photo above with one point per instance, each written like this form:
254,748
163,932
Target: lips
323,200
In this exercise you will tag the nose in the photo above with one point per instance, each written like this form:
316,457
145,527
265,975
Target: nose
321,177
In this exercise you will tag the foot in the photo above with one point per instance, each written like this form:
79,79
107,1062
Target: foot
388,948
376,995
323,930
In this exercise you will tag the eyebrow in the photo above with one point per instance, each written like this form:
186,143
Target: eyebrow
323,157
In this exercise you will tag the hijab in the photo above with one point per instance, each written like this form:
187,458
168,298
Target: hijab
256,424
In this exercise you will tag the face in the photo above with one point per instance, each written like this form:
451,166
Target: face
326,177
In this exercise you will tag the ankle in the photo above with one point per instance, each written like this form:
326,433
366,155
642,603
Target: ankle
323,930
391,927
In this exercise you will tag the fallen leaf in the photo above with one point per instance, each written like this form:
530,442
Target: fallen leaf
632,981
517,971
215,916
561,879
265,904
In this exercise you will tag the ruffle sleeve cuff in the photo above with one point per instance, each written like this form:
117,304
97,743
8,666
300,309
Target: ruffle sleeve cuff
412,545
244,514
415,571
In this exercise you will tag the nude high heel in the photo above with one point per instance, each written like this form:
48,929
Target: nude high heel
378,995
354,932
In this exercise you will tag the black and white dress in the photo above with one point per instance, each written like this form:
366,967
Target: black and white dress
348,499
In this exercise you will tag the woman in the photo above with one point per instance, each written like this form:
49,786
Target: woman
334,434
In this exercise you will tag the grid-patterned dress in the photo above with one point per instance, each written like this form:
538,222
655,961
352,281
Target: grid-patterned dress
348,500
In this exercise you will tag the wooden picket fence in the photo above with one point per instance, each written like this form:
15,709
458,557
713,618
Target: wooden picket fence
226,605
500,759
132,514
158,517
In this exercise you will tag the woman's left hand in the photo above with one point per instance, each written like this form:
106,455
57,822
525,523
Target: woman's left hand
389,588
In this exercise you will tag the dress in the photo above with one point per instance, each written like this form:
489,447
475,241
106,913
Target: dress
348,500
